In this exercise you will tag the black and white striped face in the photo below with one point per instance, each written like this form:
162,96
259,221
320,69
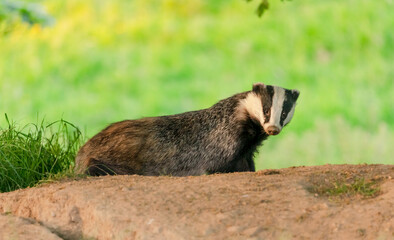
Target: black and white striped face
272,106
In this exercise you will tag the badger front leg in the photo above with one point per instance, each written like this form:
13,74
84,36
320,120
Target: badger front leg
245,164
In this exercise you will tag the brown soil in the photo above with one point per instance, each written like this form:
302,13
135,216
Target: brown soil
269,204
12,227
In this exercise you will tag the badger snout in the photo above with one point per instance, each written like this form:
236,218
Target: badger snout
273,130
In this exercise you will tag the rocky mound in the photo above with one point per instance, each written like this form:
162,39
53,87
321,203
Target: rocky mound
271,204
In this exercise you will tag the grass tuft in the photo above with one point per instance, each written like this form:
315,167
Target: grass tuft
340,186
35,152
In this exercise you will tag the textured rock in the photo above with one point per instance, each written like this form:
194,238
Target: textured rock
15,228
259,205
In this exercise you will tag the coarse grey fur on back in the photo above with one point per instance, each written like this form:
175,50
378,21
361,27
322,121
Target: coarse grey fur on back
219,139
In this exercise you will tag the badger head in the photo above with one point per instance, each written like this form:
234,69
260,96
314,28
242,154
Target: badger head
271,106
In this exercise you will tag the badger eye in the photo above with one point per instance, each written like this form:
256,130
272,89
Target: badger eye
266,111
283,114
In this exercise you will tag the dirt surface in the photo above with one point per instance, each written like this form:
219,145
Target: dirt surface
12,227
269,204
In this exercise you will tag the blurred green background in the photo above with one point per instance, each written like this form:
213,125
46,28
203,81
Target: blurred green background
105,61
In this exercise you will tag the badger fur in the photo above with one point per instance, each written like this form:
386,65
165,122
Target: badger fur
219,139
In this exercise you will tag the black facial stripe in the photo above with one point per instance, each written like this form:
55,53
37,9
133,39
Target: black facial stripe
267,103
287,105
270,91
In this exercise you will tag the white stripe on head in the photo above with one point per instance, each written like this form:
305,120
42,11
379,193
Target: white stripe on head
276,108
289,116
251,105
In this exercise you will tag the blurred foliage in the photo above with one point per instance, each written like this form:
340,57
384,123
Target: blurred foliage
14,12
105,61
262,6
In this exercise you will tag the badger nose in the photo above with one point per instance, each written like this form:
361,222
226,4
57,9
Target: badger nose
272,130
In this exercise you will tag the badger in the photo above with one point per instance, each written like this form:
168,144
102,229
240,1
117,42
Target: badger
220,139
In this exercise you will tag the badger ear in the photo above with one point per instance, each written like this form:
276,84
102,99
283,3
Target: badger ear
295,93
258,87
